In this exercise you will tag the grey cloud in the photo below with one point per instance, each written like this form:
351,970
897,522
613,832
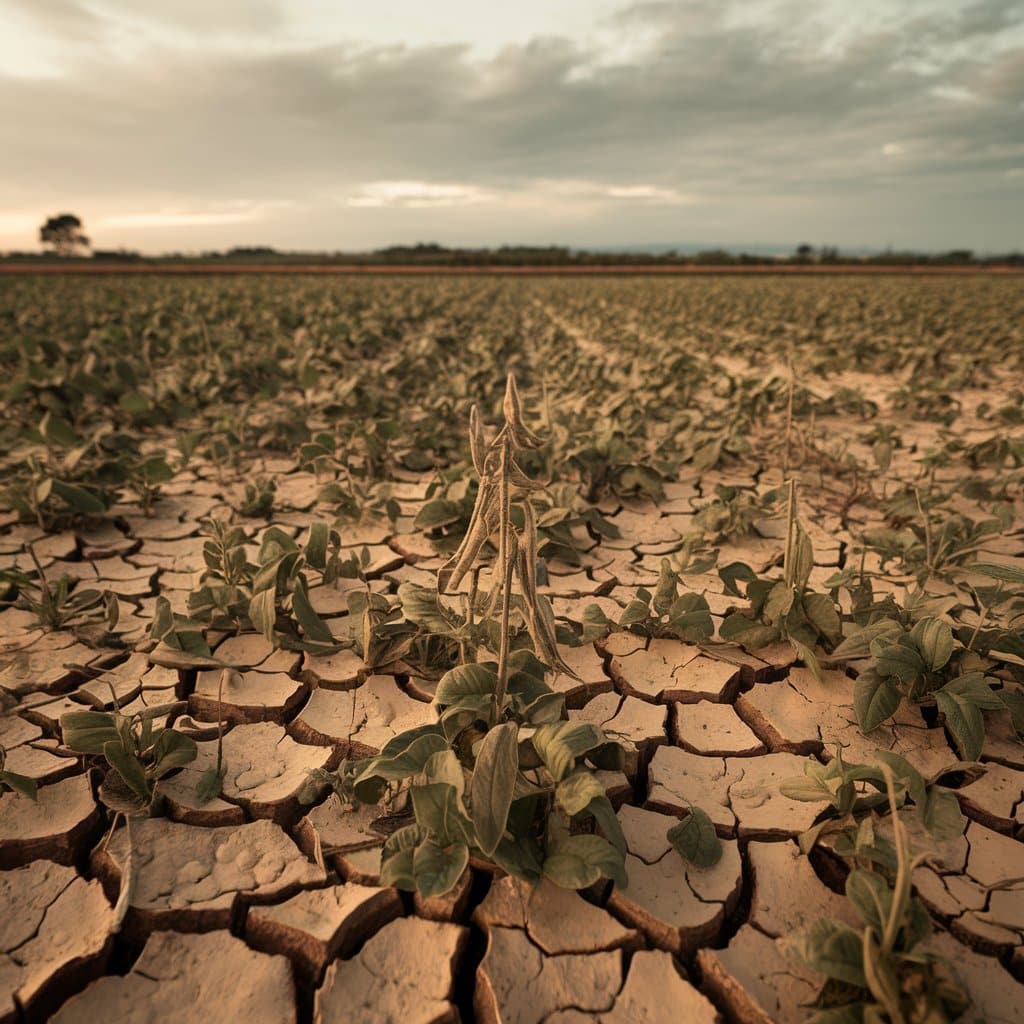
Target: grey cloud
754,117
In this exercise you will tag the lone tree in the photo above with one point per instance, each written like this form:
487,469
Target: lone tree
64,233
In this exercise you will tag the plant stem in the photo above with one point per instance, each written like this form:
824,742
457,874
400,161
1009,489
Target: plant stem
984,612
506,560
789,413
901,890
927,532
787,562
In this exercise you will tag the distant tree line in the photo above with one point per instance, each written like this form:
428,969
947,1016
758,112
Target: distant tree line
65,238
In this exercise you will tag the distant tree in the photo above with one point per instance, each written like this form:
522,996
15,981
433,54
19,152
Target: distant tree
804,252
64,233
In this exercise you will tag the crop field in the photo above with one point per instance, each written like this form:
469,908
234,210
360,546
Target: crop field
512,649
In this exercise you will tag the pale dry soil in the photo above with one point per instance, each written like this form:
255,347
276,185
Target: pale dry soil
256,907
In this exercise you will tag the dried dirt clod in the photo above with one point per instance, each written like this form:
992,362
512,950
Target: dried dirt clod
360,721
993,926
647,672
246,698
587,982
556,920
713,730
216,972
265,770
54,825
654,993
678,906
676,777
340,671
55,933
317,925
996,799
405,974
190,878
787,894
760,808
756,981
588,664
996,996
638,726
335,827
253,651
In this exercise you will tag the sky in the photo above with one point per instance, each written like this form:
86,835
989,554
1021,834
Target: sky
184,125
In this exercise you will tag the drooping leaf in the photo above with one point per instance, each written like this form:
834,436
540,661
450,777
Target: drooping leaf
436,869
875,700
494,780
934,640
696,840
574,862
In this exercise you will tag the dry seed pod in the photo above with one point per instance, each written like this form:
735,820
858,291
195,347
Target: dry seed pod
477,443
522,436
482,524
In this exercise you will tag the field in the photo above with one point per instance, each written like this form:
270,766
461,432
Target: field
362,637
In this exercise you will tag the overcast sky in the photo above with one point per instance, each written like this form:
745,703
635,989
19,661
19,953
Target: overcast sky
336,124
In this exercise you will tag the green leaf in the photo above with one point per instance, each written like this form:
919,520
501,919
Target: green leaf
313,627
821,613
87,732
870,894
779,601
436,869
934,639
316,546
129,768
803,559
58,432
1006,573
696,840
874,700
465,681
858,645
83,501
494,781
897,658
21,784
600,808
636,611
574,794
210,784
742,630
134,402
974,687
369,784
833,949
574,862
559,744
171,750
940,814
965,721
438,812
263,613
733,573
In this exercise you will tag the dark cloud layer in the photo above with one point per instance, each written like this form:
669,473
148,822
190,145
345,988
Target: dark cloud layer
724,125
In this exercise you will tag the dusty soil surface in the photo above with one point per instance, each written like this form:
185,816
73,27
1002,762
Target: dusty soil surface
256,907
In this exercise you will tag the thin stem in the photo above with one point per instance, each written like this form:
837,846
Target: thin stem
787,562
789,414
901,890
506,560
927,532
984,612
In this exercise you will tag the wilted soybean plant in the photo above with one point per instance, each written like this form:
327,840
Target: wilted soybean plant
502,775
